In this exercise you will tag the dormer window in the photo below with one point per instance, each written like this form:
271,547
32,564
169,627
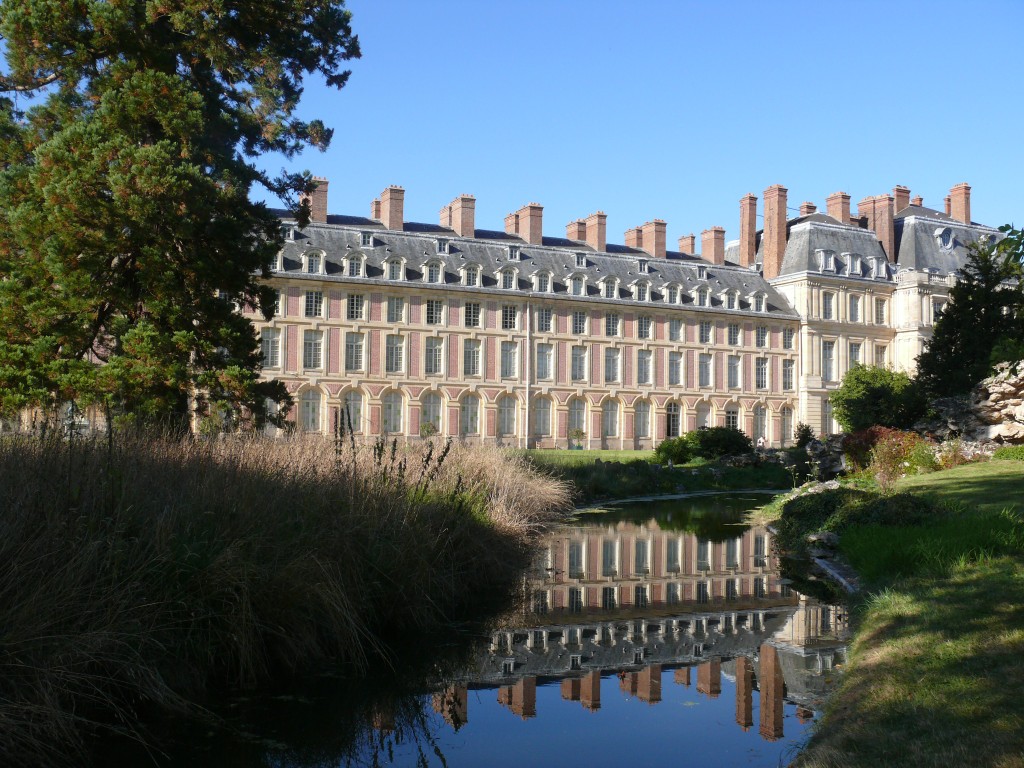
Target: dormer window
879,267
759,302
702,297
442,246
672,294
279,262
730,300
578,285
314,263
513,253
354,267
609,290
854,260
366,239
581,260
826,261
508,279
395,270
944,237
641,292
432,274
641,266
543,282
471,275
702,272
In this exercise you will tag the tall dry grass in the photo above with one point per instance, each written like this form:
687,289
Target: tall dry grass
138,571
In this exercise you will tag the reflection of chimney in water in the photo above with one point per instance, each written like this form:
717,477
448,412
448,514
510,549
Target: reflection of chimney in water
649,684
683,676
590,691
744,692
453,705
773,691
521,698
709,678
571,689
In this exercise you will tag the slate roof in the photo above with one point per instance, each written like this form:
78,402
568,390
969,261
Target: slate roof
930,240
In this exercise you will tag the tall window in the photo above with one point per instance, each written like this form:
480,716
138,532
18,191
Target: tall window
734,334
643,366
611,365
672,296
354,309
396,309
313,263
675,368
312,346
759,302
509,315
732,553
642,419
786,426
761,336
703,555
394,357
579,323
314,303
355,267
433,273
545,352
309,410
705,332
827,300
270,346
354,411
278,311
577,285
881,355
704,370
854,353
827,427
788,335
394,270
435,311
672,556
509,353
828,354
543,282
702,297
609,289
392,416
879,311
675,330
434,360
353,351
702,415
641,559
508,279
732,417
471,357
541,416
507,415
430,413
609,558
579,363
673,420
788,367
472,314
761,372
611,324
643,327
733,370
855,309
473,275
610,418
577,415
760,422
576,561
469,415
641,292
544,320
730,300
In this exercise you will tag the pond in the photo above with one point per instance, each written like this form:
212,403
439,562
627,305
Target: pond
650,631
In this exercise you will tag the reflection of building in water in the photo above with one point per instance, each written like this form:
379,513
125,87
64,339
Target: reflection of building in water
453,705
628,566
744,693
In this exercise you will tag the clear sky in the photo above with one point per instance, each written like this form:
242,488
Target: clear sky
673,110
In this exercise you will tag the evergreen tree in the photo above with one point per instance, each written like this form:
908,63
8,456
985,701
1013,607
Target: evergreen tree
985,311
128,141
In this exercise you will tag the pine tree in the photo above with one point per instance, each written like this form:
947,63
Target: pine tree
128,241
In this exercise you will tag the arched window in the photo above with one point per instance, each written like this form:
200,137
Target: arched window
430,413
433,272
610,289
508,279
395,270
760,423
541,416
610,418
353,413
642,419
392,421
703,415
672,294
786,426
673,420
506,416
472,275
309,410
732,417
354,268
641,291
469,415
577,416
578,286
702,297
314,263
543,282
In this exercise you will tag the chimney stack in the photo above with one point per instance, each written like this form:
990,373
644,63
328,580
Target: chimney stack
597,231
576,230
807,208
884,230
917,200
317,200
838,206
712,245
634,238
688,244
460,215
901,198
948,202
527,222
653,238
866,210
392,205
774,237
748,229
960,202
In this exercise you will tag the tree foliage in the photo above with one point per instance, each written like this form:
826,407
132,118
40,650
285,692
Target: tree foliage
871,396
983,323
128,142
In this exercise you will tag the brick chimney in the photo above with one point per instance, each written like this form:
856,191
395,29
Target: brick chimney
688,244
838,206
807,208
634,238
576,230
653,238
949,205
866,210
884,230
527,222
917,200
774,237
960,202
901,198
748,229
460,215
317,200
712,245
597,231
375,209
392,206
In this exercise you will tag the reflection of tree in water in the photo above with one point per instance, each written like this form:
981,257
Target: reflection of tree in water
714,517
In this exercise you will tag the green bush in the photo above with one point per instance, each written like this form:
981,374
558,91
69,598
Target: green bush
803,435
1013,452
872,396
897,454
674,449
716,442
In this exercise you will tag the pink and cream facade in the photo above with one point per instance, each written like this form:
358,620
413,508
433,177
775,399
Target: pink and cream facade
511,337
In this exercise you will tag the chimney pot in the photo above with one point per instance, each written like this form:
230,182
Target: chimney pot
917,200
807,208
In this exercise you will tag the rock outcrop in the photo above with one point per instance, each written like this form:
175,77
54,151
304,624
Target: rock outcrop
993,411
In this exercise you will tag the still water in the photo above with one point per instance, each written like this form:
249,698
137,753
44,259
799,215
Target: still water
659,633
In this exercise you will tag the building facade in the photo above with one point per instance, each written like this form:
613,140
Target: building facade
384,326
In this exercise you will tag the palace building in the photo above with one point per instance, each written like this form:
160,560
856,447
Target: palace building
410,329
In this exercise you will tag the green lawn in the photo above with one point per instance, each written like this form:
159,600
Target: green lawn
936,668
563,458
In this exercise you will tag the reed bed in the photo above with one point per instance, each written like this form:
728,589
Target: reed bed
138,571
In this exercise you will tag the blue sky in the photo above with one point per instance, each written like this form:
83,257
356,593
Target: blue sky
673,110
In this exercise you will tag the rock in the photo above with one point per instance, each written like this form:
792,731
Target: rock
993,411
824,539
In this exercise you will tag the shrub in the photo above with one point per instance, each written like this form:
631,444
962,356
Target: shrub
872,396
894,456
674,449
951,454
803,435
1012,452
858,445
716,442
